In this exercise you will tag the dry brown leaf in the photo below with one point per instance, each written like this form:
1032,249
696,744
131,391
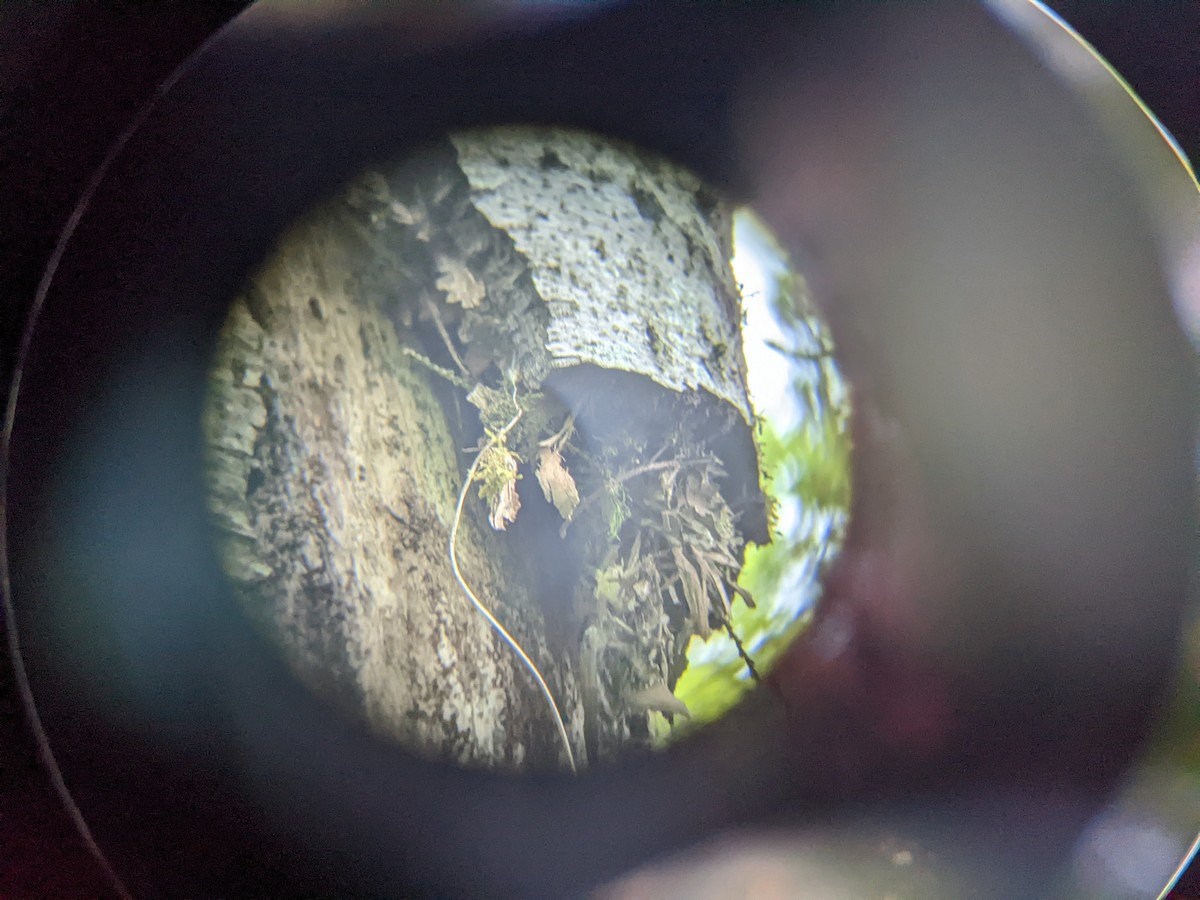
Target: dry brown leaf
707,574
635,552
459,284
557,483
506,504
693,592
403,214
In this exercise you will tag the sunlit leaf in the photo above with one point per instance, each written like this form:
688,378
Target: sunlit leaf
556,481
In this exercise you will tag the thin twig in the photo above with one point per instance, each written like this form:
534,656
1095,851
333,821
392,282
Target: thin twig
556,441
433,367
487,613
737,642
625,476
802,355
441,330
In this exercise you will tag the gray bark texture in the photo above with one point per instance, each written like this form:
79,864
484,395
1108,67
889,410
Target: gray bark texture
379,349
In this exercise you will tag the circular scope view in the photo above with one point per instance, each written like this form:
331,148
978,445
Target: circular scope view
528,451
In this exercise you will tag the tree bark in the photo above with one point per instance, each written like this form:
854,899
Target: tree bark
575,285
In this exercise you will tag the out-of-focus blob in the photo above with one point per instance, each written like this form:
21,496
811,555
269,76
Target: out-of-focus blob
1157,163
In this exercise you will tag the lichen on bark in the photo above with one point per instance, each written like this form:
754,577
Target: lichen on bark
371,357
629,252
333,479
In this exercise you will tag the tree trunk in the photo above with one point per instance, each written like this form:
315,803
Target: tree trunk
379,359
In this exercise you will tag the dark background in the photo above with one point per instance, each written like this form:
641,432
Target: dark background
72,75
